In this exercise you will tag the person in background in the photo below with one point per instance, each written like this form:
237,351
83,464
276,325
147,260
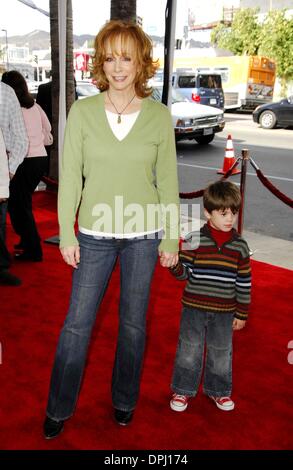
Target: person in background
44,99
30,172
15,148
216,299
4,171
119,146
6,278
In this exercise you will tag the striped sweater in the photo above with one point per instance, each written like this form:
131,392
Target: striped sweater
218,279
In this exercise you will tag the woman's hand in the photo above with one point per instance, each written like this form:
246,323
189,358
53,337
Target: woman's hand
71,255
168,260
238,324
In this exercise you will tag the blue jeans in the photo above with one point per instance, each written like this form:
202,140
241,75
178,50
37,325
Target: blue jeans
97,259
198,329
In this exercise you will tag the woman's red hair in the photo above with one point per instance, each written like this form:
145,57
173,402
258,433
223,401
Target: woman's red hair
131,36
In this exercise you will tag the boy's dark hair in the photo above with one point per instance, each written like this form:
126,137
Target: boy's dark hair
222,195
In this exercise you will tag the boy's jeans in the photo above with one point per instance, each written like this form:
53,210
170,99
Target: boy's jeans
98,256
198,328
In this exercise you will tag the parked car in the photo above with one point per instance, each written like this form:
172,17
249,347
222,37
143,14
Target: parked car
158,78
85,88
33,87
192,121
275,114
200,87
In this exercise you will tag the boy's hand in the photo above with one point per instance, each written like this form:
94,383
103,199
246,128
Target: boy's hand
238,324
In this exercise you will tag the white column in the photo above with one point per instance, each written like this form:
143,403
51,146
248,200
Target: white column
171,52
62,15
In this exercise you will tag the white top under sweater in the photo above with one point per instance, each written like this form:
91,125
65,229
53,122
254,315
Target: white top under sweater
127,121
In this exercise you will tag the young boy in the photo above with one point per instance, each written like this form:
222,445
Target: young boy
215,300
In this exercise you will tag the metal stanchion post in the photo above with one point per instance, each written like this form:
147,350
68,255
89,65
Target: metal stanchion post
245,158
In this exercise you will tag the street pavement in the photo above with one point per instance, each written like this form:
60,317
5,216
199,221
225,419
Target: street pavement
268,226
265,248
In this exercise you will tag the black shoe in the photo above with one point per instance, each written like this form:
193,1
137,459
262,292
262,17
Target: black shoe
27,257
52,428
123,417
8,279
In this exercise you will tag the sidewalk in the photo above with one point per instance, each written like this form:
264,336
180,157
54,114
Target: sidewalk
270,250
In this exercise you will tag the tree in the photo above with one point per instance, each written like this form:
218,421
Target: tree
70,88
123,10
243,37
55,85
277,43
70,95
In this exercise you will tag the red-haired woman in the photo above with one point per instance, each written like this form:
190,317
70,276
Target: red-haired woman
118,169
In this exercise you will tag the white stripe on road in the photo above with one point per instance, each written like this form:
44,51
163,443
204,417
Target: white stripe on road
250,174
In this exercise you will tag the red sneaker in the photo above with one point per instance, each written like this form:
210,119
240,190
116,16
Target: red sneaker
224,403
179,402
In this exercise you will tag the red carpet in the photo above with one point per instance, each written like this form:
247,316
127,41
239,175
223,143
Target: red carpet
30,321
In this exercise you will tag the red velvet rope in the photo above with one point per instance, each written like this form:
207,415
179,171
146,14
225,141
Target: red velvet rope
196,194
49,182
273,189
193,195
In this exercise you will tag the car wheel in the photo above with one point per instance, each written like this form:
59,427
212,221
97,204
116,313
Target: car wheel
268,120
205,139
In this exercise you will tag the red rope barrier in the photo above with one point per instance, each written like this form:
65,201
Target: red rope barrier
193,195
270,186
50,182
273,189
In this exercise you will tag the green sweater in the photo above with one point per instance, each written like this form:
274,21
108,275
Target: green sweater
99,173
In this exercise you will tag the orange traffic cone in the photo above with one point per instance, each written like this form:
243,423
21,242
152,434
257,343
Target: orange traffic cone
229,158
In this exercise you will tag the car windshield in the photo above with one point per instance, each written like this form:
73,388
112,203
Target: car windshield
32,86
177,97
86,89
159,76
186,81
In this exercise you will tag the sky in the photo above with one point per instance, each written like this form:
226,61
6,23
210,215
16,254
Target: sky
88,16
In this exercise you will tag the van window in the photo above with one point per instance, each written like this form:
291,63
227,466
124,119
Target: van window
210,81
186,81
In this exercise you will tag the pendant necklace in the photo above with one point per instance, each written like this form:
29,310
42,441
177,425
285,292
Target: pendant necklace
120,112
